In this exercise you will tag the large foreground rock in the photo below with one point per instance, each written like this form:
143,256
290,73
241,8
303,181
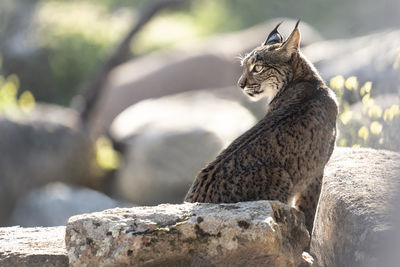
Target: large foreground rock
263,233
33,247
354,217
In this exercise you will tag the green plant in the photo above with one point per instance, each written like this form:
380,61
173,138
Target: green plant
12,104
77,36
374,126
106,157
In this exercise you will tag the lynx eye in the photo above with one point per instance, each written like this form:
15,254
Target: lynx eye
257,68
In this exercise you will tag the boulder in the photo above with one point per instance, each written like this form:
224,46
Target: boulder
33,247
262,233
39,148
354,215
53,114
54,203
369,58
209,63
166,141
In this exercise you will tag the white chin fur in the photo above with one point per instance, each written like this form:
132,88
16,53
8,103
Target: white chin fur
256,97
267,91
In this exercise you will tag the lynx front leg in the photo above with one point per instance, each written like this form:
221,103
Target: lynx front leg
307,201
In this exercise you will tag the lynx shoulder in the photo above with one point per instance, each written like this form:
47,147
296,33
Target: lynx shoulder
284,155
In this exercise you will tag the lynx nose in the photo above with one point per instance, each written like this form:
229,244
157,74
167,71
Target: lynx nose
242,82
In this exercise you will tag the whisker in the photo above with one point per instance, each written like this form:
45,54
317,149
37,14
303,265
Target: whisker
241,58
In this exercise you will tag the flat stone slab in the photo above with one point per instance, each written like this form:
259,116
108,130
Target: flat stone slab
41,247
260,233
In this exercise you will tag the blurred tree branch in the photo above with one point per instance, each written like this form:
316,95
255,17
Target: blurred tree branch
92,89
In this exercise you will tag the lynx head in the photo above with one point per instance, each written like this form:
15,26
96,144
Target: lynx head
268,68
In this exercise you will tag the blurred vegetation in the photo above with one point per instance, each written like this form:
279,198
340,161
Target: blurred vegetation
374,126
11,104
77,36
106,157
15,106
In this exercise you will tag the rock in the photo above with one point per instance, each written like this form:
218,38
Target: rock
160,167
369,58
353,219
389,253
38,149
211,63
54,203
209,109
262,233
168,140
33,247
54,114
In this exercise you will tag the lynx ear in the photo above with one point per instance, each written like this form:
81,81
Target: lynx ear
292,43
274,37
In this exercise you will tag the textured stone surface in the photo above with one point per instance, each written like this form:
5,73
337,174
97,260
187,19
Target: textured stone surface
355,210
259,233
166,141
33,247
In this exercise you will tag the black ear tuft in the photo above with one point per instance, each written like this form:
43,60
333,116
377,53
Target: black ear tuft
297,24
274,37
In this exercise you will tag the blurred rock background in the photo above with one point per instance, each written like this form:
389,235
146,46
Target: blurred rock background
168,104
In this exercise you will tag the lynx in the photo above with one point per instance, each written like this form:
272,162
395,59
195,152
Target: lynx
284,155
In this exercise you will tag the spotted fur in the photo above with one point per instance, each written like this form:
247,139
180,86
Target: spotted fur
284,155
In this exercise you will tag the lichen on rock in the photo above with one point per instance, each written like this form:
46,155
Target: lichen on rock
189,234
